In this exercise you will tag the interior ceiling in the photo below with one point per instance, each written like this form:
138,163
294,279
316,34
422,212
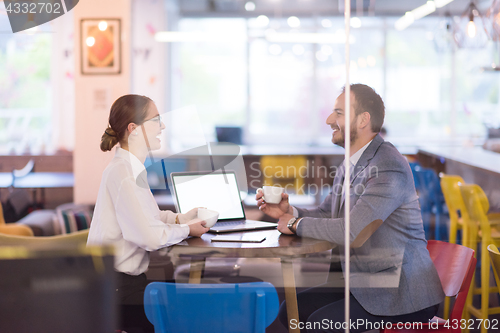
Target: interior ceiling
316,7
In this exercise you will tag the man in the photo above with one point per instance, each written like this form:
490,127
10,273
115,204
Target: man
392,276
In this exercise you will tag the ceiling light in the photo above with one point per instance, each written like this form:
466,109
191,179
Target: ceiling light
441,3
418,13
355,22
262,20
293,22
250,6
404,22
471,29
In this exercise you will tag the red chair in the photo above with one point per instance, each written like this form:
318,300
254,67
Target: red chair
455,265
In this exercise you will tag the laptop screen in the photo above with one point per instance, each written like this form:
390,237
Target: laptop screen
216,191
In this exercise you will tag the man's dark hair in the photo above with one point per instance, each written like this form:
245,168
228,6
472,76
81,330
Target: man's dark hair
367,100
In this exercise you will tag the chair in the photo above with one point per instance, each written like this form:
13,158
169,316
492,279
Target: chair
73,217
459,218
414,166
477,205
217,308
431,199
13,228
76,238
495,261
455,265
284,171
19,173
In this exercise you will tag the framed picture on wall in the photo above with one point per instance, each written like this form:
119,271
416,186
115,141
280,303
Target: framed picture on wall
100,46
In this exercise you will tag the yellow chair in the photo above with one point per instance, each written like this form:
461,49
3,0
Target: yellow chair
450,184
457,212
477,205
79,237
455,203
495,261
284,171
13,228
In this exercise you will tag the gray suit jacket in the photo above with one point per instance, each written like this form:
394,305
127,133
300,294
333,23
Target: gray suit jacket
392,273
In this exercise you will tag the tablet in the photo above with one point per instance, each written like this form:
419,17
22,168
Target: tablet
246,238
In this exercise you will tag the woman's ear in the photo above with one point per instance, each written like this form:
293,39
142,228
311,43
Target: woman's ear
131,128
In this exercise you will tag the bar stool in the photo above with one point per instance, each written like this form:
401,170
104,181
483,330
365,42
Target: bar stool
479,229
455,204
456,207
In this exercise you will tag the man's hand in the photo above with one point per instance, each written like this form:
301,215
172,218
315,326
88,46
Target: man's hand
274,210
283,224
197,228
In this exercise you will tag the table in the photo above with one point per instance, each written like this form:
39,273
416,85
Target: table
276,245
38,180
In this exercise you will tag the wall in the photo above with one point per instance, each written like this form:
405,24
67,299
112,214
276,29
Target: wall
148,56
91,114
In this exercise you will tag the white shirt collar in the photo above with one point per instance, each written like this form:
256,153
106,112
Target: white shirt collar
137,166
357,155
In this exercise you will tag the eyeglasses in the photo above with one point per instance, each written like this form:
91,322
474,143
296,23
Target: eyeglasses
156,119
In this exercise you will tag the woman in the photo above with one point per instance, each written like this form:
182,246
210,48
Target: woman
126,214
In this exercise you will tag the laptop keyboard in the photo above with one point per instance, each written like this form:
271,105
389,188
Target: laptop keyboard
230,222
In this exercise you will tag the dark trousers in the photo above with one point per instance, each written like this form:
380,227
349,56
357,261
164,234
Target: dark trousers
321,309
130,297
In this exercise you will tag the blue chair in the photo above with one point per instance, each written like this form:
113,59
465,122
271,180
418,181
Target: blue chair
217,308
414,166
431,200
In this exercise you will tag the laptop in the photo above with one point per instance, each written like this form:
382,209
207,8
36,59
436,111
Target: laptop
216,191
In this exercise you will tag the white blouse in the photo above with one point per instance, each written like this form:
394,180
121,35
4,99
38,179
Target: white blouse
127,216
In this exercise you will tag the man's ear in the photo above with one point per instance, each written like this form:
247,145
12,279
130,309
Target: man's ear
365,120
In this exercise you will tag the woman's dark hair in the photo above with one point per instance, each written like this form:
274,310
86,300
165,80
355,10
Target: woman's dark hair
367,100
125,110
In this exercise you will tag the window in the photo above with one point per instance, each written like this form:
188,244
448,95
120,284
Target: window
211,76
25,90
281,91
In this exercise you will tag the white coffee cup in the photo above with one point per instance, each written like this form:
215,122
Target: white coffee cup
209,216
272,194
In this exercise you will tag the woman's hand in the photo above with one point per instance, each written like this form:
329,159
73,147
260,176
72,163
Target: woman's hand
189,216
197,227
274,210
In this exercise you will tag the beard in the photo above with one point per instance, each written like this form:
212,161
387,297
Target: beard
339,136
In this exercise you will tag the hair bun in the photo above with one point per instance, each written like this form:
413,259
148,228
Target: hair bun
109,131
109,139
